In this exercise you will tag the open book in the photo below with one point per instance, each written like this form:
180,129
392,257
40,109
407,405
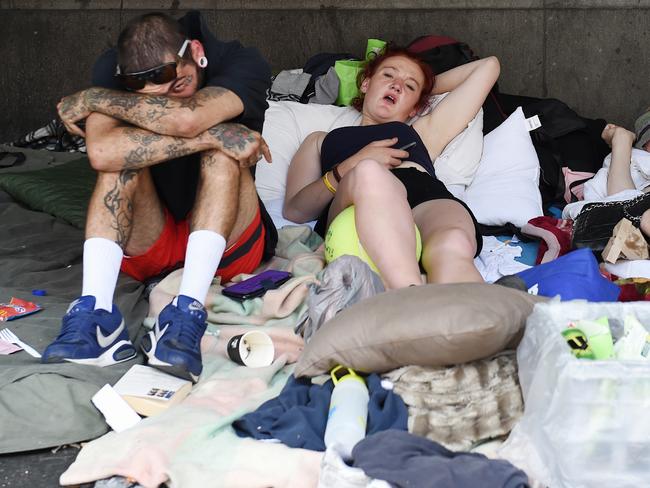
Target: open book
150,391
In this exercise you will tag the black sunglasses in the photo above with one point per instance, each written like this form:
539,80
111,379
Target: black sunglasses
158,75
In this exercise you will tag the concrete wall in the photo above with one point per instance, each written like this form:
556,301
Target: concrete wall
593,54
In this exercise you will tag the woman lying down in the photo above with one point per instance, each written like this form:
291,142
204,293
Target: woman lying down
620,189
384,168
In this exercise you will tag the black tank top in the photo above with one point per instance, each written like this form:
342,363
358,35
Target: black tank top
343,142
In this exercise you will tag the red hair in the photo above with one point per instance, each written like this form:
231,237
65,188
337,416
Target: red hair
392,51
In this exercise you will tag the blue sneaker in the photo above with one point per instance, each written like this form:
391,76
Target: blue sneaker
174,344
90,336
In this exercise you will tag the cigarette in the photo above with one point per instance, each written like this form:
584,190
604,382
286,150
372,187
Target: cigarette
408,146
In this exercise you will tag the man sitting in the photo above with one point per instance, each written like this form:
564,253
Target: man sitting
172,126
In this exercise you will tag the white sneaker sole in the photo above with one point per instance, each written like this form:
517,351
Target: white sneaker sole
172,369
106,358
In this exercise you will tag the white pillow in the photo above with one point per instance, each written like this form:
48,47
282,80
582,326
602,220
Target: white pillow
459,160
286,125
506,185
274,209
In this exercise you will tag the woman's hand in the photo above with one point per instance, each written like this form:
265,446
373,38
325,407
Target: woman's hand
613,133
380,151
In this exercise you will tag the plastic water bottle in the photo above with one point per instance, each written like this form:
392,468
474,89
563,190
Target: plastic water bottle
348,414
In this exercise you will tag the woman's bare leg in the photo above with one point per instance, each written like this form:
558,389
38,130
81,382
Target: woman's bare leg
449,242
384,221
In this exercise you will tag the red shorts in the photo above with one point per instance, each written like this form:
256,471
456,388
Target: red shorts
168,252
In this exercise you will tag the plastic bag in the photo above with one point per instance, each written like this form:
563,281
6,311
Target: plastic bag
585,422
348,72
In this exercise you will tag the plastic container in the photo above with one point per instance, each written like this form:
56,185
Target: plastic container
586,423
348,413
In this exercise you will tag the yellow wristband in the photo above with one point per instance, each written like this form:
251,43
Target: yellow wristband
328,184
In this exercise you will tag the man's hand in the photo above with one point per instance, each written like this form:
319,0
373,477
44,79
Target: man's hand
74,108
239,142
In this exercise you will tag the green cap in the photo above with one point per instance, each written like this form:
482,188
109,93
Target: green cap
642,130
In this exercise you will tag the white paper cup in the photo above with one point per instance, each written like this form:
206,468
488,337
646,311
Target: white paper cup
254,349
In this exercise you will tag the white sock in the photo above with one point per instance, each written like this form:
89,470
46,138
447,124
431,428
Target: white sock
202,257
102,260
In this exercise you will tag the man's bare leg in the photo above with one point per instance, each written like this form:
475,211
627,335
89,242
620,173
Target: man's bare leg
124,214
226,203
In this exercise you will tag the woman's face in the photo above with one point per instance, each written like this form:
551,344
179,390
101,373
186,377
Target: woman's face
393,91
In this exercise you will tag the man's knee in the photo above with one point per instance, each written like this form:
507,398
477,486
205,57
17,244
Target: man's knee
215,163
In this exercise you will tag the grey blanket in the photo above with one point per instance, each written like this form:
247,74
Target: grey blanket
48,405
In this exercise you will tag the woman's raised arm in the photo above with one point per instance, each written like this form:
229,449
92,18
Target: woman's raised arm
468,85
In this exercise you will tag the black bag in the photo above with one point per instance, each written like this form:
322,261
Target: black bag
443,53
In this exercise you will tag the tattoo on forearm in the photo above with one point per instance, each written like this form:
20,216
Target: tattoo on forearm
145,139
139,157
192,103
126,101
234,137
148,148
120,207
143,110
178,148
211,92
68,105
208,160
160,100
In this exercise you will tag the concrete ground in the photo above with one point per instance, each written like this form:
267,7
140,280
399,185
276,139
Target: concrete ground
36,469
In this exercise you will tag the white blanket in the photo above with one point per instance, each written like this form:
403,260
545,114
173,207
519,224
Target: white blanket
596,187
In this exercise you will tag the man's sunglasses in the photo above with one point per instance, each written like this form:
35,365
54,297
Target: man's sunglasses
158,76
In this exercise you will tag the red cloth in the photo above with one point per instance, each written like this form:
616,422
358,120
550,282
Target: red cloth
168,252
633,289
555,235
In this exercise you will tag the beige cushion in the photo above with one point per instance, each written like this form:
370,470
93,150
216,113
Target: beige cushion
432,325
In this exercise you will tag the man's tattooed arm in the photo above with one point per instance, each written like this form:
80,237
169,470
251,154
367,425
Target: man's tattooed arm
162,114
240,143
134,148
112,146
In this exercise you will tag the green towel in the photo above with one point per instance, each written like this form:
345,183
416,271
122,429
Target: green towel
63,191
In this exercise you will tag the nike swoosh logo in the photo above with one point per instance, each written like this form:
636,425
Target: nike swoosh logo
158,332
73,305
196,306
105,341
